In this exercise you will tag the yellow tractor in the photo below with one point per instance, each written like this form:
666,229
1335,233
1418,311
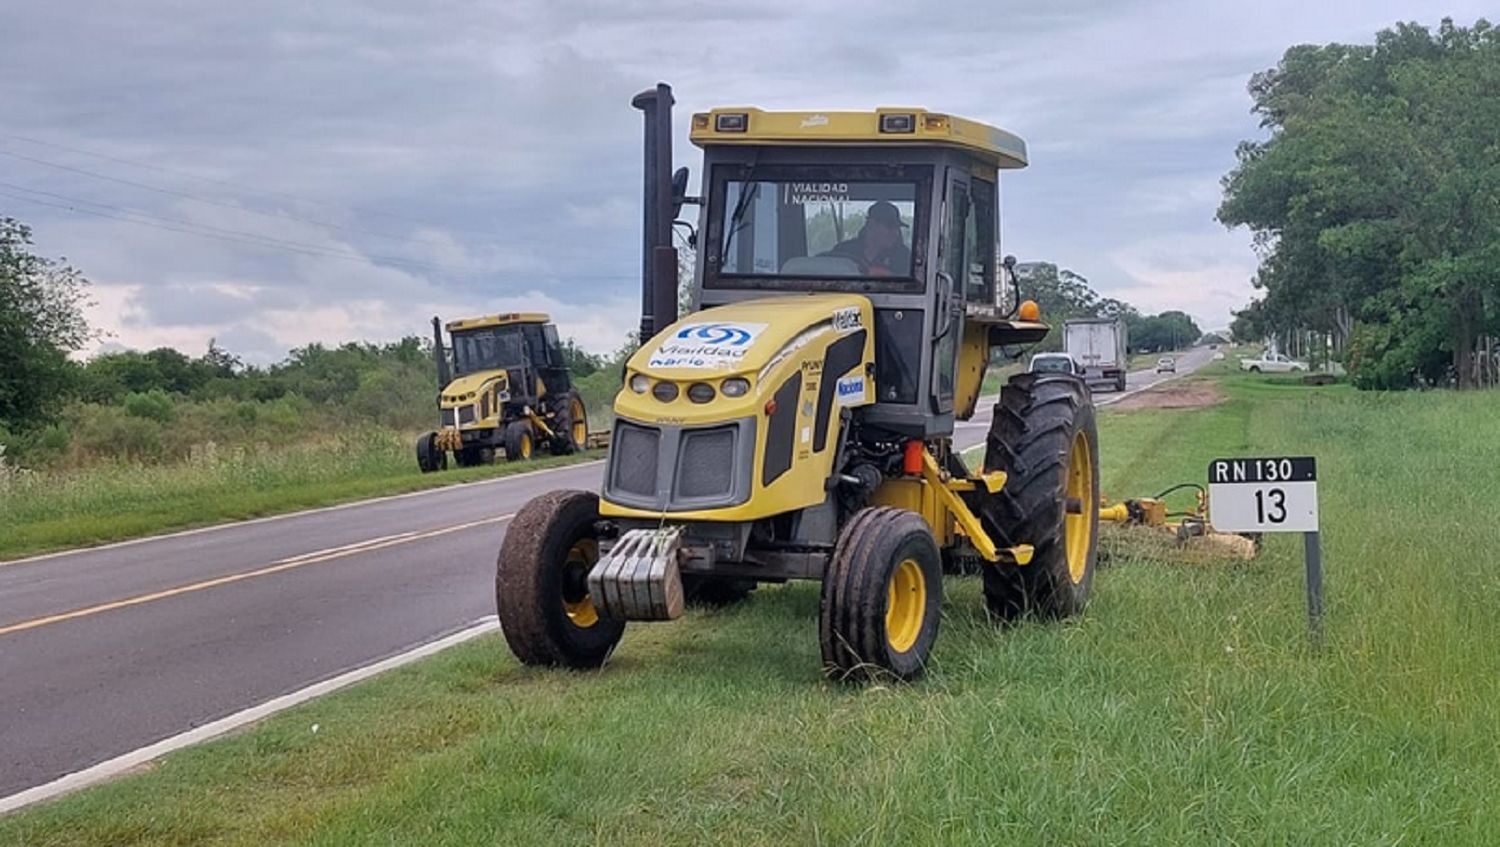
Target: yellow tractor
502,385
800,426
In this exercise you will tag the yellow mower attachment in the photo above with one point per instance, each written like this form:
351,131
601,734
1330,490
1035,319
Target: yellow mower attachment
1192,532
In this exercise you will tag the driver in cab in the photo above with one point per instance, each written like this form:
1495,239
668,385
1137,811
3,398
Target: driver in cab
878,249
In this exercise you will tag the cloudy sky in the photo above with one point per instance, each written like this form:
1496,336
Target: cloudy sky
275,173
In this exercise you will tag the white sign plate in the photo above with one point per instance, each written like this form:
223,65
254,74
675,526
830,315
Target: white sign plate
1278,494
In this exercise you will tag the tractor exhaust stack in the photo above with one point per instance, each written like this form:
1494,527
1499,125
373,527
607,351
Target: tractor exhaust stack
443,377
658,256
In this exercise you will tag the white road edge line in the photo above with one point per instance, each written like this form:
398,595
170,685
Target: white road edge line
5,563
120,764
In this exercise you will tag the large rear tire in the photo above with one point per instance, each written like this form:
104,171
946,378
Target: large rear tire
541,584
1043,435
518,441
429,457
882,597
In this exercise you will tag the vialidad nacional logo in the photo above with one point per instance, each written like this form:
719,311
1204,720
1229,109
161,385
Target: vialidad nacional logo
706,345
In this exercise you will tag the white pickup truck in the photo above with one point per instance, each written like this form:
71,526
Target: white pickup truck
1272,363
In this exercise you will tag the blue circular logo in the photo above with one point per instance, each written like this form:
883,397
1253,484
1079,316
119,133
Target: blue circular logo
723,335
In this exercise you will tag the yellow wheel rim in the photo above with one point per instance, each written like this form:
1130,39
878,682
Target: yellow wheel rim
580,424
905,606
1079,527
526,446
582,555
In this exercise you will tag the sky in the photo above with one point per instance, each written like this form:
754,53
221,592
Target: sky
279,173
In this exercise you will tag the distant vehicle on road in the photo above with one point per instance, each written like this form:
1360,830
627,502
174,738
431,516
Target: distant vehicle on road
1166,365
1098,344
1272,363
1055,363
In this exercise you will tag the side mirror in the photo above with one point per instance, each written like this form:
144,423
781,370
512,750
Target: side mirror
1009,264
679,190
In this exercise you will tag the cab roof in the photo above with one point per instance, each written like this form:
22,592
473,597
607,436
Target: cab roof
746,125
498,320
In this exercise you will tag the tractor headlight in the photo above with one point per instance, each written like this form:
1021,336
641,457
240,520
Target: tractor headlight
665,391
700,392
735,386
639,383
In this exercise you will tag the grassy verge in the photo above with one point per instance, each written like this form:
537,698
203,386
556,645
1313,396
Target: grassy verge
1183,707
58,509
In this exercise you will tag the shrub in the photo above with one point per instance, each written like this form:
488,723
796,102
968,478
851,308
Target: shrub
155,405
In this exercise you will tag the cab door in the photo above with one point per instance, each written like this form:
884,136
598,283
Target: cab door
948,290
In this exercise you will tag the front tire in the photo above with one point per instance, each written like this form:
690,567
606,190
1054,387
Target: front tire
518,441
429,457
541,584
1044,437
882,597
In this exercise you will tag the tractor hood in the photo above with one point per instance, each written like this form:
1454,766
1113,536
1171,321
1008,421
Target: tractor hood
463,389
745,337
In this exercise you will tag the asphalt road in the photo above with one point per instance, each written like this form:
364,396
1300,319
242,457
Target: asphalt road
106,650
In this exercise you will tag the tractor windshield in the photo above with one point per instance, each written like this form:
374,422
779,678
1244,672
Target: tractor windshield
828,224
491,348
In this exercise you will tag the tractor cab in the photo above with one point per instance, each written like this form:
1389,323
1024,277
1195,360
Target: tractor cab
520,350
897,206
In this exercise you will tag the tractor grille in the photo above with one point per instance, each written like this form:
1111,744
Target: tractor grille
449,418
705,463
466,414
635,449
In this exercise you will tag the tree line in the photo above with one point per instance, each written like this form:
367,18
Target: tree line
1375,204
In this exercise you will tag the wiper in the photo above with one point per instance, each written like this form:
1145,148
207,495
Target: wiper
747,195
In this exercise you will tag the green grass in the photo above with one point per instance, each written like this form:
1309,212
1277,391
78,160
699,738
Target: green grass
1185,705
53,510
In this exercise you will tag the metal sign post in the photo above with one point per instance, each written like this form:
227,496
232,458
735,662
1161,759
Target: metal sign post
1277,494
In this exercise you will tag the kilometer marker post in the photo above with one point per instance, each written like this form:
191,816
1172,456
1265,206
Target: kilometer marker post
1273,494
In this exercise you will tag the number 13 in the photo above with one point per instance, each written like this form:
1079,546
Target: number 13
1277,513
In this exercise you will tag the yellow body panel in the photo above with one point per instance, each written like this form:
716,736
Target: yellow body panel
767,342
914,494
466,390
973,360
990,144
498,320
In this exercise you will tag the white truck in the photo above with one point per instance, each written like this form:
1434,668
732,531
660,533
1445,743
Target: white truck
1099,345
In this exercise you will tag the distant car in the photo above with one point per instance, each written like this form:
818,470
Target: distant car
1057,363
1272,363
1166,365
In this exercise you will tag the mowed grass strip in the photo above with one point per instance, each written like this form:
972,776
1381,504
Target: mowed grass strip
1185,706
41,512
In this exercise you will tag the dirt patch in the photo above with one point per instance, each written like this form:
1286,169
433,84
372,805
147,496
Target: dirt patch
1177,394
